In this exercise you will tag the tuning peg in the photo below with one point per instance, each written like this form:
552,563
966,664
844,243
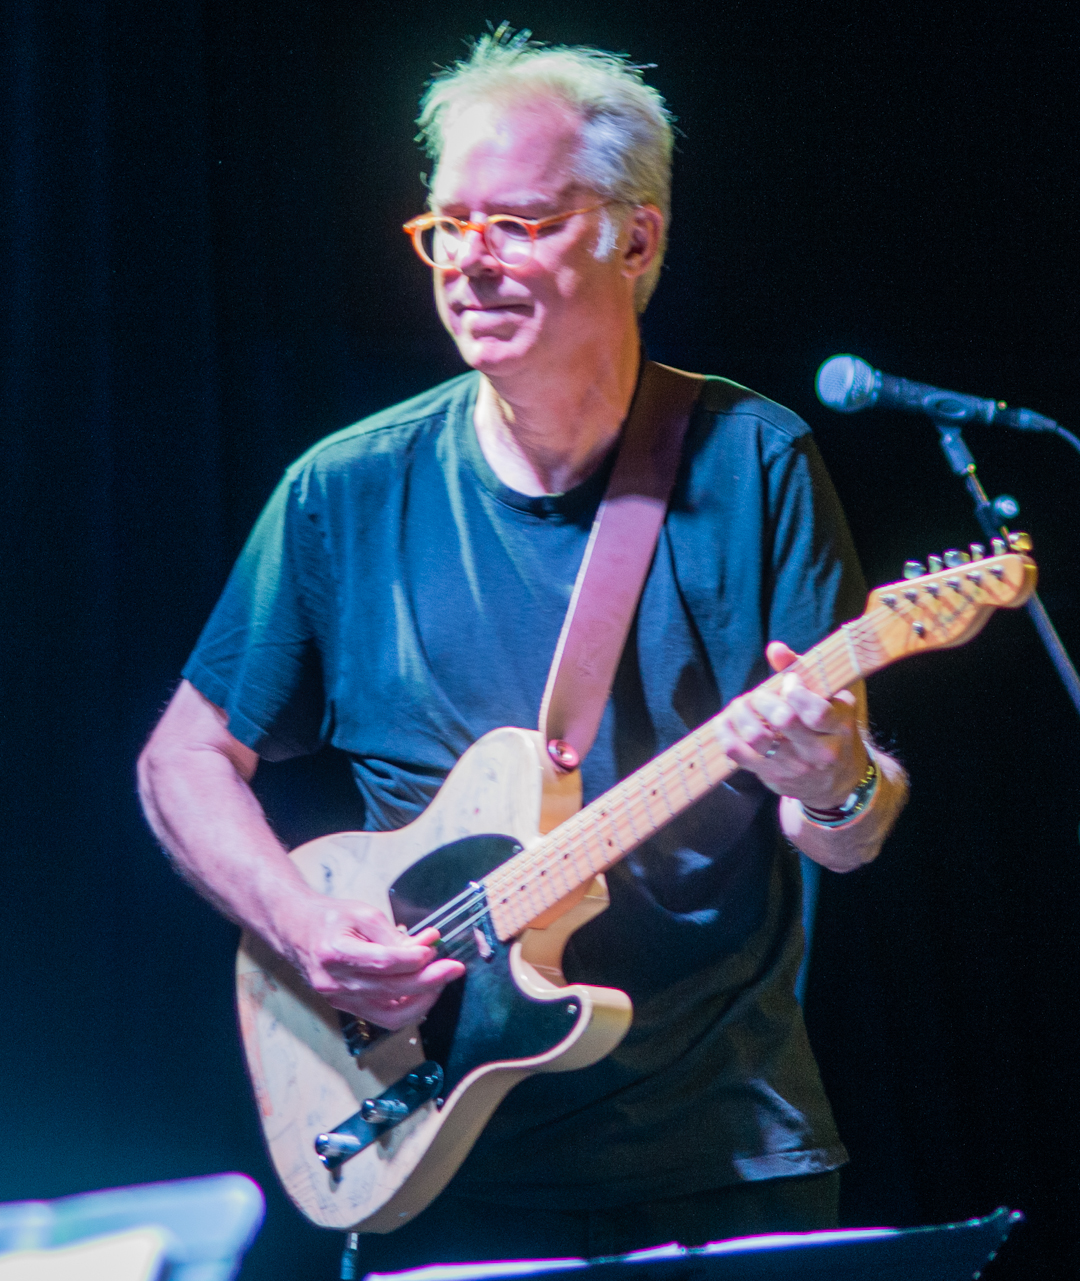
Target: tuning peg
936,564
1020,542
953,558
914,569
978,551
999,546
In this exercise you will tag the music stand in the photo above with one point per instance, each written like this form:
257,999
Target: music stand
949,1252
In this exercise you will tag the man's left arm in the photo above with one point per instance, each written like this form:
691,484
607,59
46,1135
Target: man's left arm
816,753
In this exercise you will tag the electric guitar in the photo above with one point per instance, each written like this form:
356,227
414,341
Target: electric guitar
365,1127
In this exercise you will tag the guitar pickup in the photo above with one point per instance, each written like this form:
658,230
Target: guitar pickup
379,1114
359,1034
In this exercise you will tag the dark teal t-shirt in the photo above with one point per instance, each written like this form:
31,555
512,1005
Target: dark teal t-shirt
398,601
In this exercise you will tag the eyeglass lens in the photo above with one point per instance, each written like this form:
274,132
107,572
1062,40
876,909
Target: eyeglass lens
507,240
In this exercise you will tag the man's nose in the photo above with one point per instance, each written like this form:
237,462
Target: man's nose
474,257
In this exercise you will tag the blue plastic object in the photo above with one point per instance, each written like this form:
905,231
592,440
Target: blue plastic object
211,1221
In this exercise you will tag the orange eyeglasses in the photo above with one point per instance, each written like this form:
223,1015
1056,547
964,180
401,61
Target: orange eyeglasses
510,240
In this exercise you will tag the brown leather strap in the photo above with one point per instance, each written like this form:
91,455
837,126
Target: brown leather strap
617,559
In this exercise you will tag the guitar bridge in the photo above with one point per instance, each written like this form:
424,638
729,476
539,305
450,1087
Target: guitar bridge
379,1114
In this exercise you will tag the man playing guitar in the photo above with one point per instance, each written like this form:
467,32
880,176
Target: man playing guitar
402,594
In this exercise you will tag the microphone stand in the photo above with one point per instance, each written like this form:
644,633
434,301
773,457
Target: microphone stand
962,464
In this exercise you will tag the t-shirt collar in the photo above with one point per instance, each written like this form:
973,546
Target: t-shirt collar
570,505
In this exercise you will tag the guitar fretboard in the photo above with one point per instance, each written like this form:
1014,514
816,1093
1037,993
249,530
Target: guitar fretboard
605,831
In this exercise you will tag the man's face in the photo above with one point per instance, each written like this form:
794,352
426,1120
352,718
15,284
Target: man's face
506,320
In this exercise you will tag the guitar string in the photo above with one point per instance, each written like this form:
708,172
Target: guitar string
632,803
629,805
839,657
468,893
838,670
538,857
460,929
438,920
625,803
576,831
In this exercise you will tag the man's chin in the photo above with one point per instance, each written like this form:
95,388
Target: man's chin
491,355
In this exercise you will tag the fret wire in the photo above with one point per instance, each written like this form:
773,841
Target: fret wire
699,748
677,749
858,631
508,879
835,664
590,832
851,657
535,868
525,896
840,670
829,659
630,818
717,758
639,797
612,839
702,781
566,855
800,669
643,787
666,795
823,662
578,837
543,858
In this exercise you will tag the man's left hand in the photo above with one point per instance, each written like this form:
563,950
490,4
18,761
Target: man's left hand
798,743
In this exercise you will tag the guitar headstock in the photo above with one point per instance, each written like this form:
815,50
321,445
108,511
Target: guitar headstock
951,602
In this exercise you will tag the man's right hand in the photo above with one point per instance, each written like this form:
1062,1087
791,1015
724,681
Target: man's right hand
354,957
193,780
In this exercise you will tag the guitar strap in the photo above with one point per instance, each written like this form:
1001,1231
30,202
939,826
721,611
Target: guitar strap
617,559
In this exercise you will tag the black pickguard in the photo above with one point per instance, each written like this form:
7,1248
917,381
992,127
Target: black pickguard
484,1016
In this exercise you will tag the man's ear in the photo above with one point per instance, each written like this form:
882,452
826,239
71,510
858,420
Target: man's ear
643,231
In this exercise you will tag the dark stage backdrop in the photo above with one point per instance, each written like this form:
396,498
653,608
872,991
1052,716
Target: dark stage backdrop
203,273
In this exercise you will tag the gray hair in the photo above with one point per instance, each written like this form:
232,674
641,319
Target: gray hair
627,132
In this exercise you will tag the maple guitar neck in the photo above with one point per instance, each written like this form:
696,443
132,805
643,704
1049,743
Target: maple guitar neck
933,612
609,828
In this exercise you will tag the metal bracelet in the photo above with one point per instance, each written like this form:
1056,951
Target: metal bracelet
856,802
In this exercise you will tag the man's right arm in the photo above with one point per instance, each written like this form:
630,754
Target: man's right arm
194,781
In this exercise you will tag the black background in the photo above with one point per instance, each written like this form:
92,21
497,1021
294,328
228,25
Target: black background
203,273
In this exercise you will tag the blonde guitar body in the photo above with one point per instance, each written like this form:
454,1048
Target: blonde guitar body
506,866
305,1079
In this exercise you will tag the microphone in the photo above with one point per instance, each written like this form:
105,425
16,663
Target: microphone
848,384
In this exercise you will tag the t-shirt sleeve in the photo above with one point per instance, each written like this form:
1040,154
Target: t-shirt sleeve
259,656
817,582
